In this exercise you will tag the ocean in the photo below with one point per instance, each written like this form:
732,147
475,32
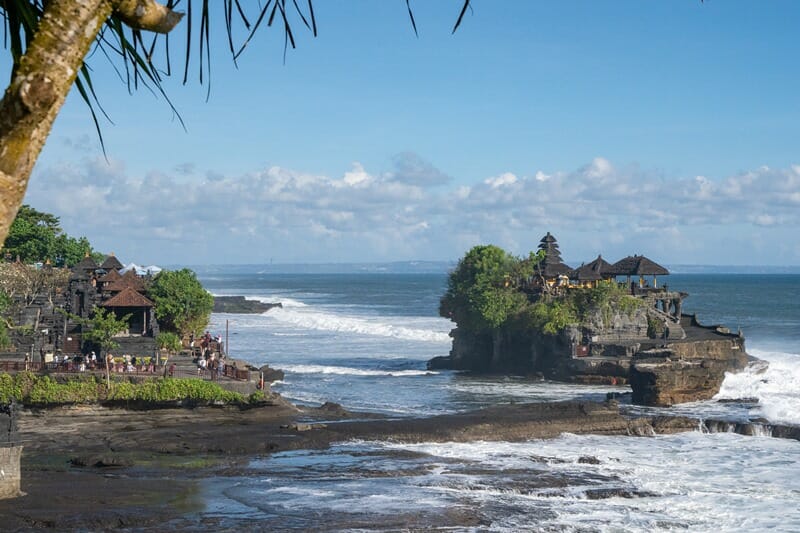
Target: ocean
362,340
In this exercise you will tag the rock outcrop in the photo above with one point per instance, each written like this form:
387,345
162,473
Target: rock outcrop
241,305
686,363
686,371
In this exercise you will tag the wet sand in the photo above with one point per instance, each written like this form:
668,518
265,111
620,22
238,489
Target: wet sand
95,468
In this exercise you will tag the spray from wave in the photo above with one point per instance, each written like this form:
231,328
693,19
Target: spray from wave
776,386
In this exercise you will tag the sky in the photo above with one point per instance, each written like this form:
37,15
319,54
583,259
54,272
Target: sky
670,129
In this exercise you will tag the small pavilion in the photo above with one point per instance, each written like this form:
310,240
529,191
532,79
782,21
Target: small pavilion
638,265
590,274
129,301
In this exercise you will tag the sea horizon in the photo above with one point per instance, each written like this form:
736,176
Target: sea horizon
443,267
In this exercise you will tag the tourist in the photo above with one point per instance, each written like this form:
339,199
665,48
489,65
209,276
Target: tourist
172,370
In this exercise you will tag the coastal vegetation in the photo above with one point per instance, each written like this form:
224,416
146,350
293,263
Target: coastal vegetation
487,292
169,342
36,237
41,390
41,276
183,306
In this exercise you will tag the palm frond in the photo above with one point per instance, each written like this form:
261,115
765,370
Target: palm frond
143,61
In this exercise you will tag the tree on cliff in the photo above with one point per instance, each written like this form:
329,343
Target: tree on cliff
182,304
37,236
48,41
483,291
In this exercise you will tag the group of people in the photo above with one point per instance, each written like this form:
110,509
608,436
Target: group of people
131,363
211,363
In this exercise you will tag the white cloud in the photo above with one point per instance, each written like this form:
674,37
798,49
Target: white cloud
502,180
291,215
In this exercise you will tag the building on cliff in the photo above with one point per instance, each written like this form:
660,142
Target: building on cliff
595,328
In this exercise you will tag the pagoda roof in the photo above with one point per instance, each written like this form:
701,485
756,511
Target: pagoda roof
87,263
551,266
637,265
128,297
547,239
594,271
111,263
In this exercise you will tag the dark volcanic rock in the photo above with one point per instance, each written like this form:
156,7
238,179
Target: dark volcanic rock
240,305
271,374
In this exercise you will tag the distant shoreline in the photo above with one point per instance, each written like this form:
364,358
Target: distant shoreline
443,267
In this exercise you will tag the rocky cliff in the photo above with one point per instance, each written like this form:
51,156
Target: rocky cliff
686,371
677,361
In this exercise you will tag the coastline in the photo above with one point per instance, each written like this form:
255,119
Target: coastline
143,469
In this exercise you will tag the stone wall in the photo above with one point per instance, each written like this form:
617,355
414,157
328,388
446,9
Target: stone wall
9,454
10,472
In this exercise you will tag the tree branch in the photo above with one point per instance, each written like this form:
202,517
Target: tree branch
147,15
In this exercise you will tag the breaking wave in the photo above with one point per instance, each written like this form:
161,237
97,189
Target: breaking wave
340,370
776,386
324,321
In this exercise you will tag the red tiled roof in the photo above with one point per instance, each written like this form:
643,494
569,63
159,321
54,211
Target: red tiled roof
128,297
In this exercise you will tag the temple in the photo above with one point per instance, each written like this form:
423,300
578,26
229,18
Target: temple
107,285
630,329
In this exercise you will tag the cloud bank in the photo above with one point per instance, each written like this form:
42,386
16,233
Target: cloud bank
416,211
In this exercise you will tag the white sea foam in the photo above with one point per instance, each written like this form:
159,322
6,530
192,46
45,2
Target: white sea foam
322,369
777,387
331,321
724,482
276,298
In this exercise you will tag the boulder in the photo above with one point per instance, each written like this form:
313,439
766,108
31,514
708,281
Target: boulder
686,371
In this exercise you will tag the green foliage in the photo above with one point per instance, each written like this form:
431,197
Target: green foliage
32,389
29,388
256,397
553,315
37,236
170,389
655,328
483,290
166,340
182,304
606,298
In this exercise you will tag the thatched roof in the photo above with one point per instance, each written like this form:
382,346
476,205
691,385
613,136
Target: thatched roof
87,263
637,265
128,297
111,263
594,271
551,266
110,276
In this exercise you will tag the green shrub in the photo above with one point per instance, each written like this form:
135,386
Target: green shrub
29,388
169,341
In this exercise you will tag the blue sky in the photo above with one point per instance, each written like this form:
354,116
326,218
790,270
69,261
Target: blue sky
664,128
